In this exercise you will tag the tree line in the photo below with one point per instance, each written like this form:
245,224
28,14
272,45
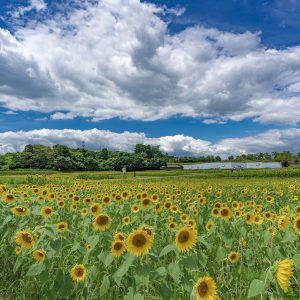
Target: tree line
61,157
144,157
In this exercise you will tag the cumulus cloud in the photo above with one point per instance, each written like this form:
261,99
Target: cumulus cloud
95,139
116,58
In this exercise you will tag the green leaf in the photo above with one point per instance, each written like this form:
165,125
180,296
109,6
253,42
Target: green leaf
174,271
165,292
108,260
161,271
130,294
55,244
125,266
17,264
104,285
35,269
167,250
296,259
138,296
256,288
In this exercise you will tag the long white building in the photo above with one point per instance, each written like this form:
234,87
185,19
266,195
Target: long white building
233,166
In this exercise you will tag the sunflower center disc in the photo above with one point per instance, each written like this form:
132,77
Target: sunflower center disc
183,236
139,240
203,289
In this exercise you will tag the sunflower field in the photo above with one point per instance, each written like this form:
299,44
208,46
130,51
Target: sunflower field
157,238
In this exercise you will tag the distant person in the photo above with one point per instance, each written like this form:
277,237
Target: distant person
124,171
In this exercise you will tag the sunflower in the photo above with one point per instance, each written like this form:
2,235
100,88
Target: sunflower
186,238
297,224
19,211
102,222
258,220
135,208
95,209
9,198
61,227
106,200
209,226
18,250
117,248
249,216
146,203
78,273
149,231
272,230
46,212
139,242
206,289
225,213
126,220
25,239
158,207
61,203
73,207
283,222
172,226
184,218
39,254
284,271
215,212
233,257
84,211
119,236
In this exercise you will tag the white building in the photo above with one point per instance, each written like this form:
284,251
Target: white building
233,165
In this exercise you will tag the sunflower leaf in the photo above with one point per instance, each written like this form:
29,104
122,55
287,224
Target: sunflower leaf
167,250
35,269
256,288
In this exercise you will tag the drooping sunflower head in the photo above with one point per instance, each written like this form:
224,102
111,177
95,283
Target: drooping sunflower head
46,212
283,222
296,224
25,239
39,255
234,257
102,222
139,242
61,227
117,248
205,289
78,273
284,272
186,238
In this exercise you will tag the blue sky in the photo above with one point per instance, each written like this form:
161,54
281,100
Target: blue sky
210,74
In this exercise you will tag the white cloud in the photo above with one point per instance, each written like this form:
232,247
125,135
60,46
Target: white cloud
37,5
118,59
95,139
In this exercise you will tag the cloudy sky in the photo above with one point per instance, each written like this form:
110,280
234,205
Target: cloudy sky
195,77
